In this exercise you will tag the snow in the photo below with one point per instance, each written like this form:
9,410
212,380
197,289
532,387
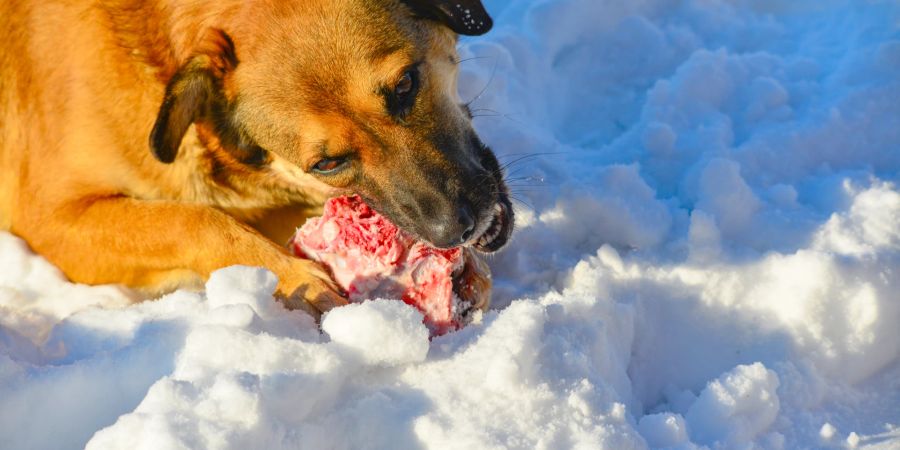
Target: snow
707,256
736,407
663,430
381,332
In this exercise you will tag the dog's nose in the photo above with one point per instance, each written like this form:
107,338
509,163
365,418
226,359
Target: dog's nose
466,222
454,232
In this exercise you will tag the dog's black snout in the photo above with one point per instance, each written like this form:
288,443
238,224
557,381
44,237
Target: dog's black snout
466,222
454,231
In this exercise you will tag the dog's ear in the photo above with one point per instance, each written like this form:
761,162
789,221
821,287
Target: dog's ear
194,93
189,97
466,17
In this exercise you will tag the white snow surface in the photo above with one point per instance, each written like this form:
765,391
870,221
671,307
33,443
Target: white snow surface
707,256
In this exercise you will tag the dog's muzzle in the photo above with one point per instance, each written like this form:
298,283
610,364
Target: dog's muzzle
496,228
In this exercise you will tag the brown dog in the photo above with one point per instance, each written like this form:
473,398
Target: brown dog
256,111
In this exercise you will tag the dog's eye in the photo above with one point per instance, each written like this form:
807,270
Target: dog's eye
405,85
402,97
329,166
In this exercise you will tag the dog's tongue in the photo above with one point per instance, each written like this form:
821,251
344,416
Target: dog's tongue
371,258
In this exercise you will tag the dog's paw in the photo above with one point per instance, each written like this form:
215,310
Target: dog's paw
308,287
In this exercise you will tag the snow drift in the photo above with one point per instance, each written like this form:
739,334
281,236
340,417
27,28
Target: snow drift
708,256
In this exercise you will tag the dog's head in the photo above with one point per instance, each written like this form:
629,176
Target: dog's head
361,95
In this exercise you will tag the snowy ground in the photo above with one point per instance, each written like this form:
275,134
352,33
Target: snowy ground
708,255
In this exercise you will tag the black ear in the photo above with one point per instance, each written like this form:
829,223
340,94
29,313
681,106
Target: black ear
189,97
466,17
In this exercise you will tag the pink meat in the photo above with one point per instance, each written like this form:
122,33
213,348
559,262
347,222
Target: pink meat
371,258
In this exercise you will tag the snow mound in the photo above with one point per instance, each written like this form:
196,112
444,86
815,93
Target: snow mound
382,332
736,407
663,430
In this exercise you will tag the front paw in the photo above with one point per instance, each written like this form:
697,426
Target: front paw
307,286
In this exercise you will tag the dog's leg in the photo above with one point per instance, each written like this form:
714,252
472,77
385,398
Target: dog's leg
148,244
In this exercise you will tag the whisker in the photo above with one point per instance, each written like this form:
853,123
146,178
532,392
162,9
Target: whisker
525,178
496,113
526,189
519,159
459,61
516,186
523,202
532,154
515,171
508,117
490,80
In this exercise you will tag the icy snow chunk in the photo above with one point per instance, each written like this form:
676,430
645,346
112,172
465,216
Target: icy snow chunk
853,440
704,238
510,389
827,432
623,211
839,311
231,399
767,96
145,432
241,285
35,296
783,195
724,194
705,79
659,138
209,349
242,297
735,408
663,430
870,225
381,332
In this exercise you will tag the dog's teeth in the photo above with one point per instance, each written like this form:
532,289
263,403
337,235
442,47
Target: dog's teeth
494,229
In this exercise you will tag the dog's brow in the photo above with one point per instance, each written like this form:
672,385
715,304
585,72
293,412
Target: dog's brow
384,52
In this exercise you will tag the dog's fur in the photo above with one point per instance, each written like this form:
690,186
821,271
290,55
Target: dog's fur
241,98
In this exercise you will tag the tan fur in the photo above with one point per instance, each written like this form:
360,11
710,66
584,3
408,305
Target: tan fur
82,84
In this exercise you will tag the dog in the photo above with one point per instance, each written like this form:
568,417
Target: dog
151,142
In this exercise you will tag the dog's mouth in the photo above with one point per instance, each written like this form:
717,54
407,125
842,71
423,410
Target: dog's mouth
499,227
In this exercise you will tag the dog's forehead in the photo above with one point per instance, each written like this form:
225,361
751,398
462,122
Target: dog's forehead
327,32
308,59
327,54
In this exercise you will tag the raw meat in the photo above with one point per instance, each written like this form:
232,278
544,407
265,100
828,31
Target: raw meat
371,258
